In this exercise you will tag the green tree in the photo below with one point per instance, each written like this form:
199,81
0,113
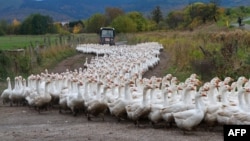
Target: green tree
14,27
76,26
37,24
203,12
111,13
61,29
3,27
124,24
141,22
214,7
157,14
175,19
94,23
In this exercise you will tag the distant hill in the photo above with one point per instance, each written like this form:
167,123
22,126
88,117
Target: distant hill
65,10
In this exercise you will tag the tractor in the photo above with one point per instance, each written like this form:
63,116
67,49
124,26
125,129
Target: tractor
107,35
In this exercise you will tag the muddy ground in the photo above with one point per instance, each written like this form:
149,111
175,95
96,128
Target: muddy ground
25,124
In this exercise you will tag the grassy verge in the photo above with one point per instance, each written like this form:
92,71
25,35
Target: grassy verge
208,53
38,52
11,42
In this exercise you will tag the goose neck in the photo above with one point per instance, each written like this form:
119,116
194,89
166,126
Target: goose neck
144,96
79,95
9,84
16,83
187,96
241,98
199,102
37,86
46,88
247,97
105,89
24,83
165,96
119,92
224,98
127,96
19,81
151,94
211,96
86,90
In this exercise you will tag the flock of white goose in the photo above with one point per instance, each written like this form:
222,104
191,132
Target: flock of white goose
112,82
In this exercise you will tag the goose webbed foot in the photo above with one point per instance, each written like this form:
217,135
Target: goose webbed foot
186,132
88,117
102,116
119,119
46,108
136,123
39,110
85,113
60,110
152,124
75,112
170,124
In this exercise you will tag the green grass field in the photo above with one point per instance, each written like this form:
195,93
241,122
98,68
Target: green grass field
247,22
23,41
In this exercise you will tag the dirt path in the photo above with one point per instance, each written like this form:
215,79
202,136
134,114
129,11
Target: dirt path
71,63
24,123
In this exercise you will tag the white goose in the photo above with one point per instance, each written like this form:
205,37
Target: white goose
213,105
241,82
185,104
242,116
189,119
166,79
42,98
26,90
7,92
117,107
227,80
17,93
226,111
64,94
75,99
55,88
139,109
33,83
97,106
155,114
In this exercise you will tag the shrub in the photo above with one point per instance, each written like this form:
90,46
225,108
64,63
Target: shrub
5,65
24,64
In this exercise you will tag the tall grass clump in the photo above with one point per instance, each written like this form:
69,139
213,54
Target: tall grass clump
49,57
233,53
208,53
4,65
181,48
26,54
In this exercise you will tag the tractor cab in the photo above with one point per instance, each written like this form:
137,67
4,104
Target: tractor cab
107,35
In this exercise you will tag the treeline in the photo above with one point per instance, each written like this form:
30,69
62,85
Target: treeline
190,17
